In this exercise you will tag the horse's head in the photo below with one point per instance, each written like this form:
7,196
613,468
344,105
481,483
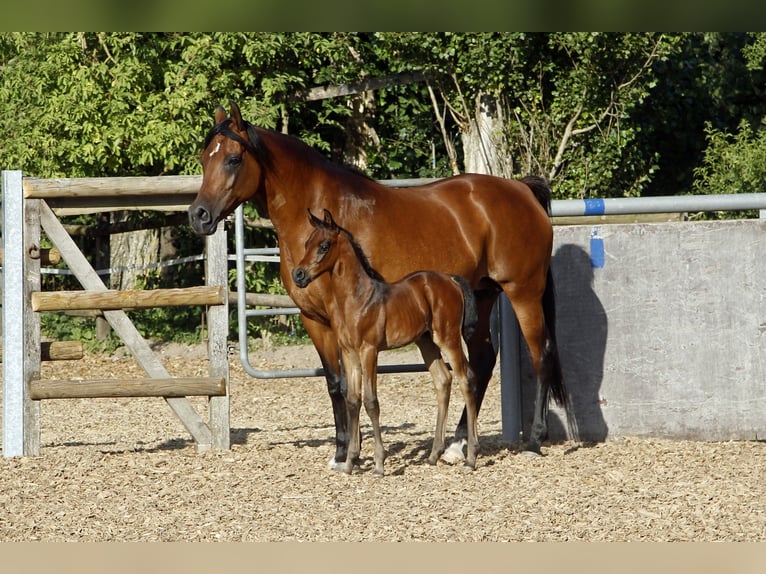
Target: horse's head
231,170
321,250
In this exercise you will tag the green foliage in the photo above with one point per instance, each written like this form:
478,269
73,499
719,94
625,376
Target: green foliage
734,163
601,114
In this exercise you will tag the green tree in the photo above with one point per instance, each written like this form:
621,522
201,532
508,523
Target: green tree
734,159
558,105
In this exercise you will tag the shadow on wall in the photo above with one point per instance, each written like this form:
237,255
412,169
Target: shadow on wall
581,331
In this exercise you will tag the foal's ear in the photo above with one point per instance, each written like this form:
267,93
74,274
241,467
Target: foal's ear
328,220
313,219
236,117
220,114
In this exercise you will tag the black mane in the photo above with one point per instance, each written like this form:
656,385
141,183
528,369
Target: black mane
360,254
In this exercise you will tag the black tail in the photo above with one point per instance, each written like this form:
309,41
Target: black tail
470,313
557,389
541,189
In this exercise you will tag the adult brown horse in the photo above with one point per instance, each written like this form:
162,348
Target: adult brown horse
494,232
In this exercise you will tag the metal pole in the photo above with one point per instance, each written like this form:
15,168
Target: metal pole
660,204
510,372
13,315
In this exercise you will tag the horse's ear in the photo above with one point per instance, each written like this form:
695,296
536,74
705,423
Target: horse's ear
236,117
220,115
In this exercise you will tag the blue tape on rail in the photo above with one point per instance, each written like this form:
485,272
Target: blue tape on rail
594,206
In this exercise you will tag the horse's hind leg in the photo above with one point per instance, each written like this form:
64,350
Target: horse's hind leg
544,356
442,380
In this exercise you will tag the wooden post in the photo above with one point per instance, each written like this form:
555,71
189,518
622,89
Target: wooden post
103,259
216,275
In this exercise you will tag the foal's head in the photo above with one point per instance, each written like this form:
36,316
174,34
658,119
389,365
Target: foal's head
321,249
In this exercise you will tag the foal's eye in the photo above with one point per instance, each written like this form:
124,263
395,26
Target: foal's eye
324,247
233,160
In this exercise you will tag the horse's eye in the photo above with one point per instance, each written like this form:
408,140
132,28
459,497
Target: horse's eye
233,160
324,247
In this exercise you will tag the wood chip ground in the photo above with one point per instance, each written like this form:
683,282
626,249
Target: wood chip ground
125,470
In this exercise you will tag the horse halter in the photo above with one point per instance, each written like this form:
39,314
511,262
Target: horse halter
225,130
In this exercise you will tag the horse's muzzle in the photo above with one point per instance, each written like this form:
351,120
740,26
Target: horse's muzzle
201,220
300,277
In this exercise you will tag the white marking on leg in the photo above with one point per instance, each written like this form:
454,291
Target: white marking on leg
454,452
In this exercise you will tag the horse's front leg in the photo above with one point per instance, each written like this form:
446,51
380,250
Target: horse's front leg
326,345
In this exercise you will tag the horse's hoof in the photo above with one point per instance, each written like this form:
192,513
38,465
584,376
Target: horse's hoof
336,466
468,467
531,453
454,453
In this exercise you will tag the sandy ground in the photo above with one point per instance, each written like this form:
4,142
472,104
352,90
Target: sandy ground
126,470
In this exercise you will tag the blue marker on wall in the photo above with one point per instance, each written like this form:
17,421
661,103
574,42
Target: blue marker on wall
597,256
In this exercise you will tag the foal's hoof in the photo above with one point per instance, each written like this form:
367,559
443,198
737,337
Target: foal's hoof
454,453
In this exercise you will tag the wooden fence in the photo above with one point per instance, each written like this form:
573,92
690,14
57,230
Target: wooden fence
31,207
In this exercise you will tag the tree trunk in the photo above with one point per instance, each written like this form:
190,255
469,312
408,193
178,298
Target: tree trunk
358,132
130,251
484,143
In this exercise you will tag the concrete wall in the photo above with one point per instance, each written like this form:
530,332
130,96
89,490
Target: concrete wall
662,330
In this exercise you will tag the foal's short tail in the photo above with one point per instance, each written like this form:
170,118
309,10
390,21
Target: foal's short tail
470,313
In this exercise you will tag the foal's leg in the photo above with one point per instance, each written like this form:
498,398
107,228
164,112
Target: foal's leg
464,375
353,404
329,354
442,380
369,358
482,353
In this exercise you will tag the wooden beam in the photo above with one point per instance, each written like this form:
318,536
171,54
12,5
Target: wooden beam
110,187
131,299
264,299
111,388
325,92
46,256
60,350
57,350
